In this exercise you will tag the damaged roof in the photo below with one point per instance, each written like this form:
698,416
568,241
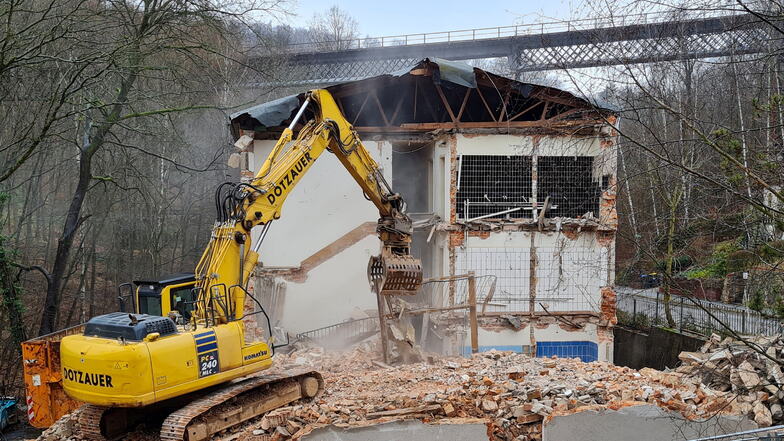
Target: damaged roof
436,94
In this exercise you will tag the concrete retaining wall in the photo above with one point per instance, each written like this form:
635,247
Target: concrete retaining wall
657,349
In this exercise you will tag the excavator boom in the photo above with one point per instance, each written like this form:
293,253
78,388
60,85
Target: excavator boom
260,202
183,350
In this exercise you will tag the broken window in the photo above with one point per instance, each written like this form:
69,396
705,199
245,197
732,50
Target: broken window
493,184
569,183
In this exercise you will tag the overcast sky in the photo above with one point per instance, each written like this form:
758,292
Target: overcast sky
395,17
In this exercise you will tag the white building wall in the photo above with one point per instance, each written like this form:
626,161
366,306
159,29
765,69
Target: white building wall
571,269
527,145
326,205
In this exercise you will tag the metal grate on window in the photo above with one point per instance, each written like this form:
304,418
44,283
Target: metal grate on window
568,181
568,278
493,184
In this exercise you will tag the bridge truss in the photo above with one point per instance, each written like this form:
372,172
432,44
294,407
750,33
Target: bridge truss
539,47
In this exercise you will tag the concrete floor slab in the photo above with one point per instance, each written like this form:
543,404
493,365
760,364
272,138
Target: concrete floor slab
408,430
638,423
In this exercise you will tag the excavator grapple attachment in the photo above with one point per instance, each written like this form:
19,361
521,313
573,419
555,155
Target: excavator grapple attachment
394,274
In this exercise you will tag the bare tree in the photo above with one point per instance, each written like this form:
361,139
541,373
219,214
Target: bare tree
147,61
334,29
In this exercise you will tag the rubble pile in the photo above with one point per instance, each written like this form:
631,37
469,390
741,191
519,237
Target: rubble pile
511,393
748,371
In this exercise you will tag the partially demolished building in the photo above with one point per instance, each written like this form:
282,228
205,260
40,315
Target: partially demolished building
505,179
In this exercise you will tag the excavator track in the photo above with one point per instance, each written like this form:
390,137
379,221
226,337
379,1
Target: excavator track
236,403
90,422
210,413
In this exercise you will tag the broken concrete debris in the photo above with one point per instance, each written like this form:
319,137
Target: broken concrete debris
750,372
513,394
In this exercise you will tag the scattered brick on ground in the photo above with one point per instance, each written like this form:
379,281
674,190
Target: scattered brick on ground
513,394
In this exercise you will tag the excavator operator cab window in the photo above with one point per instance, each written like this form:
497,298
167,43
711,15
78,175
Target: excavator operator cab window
166,294
182,301
150,300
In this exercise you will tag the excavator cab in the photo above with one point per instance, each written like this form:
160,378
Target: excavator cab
173,293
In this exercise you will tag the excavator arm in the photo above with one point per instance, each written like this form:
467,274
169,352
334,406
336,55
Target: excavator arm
223,271
120,364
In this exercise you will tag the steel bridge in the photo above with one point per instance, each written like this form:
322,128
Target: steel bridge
635,39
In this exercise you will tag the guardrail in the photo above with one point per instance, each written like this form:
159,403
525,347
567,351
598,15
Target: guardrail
341,333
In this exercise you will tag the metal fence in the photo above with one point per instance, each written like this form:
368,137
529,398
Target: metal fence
647,308
342,334
568,277
449,294
452,291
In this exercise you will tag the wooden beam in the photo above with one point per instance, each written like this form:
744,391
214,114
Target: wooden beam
405,411
429,106
362,107
571,102
544,111
398,106
382,323
528,109
446,103
487,107
565,114
498,125
465,100
503,109
472,313
390,129
380,108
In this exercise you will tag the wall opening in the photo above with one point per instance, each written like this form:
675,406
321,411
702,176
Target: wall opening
569,182
412,169
492,184
412,177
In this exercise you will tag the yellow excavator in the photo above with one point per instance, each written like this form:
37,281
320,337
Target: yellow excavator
181,349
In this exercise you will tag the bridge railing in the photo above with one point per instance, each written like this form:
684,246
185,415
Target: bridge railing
462,35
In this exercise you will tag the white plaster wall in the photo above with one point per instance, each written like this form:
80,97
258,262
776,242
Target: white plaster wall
441,178
570,272
511,337
335,291
325,205
524,145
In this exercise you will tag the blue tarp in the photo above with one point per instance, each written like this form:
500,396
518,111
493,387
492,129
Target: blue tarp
7,412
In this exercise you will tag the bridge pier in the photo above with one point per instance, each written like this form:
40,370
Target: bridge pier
514,64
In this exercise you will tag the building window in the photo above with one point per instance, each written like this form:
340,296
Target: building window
493,184
569,182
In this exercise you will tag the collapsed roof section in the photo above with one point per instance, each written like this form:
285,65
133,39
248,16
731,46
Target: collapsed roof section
438,94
